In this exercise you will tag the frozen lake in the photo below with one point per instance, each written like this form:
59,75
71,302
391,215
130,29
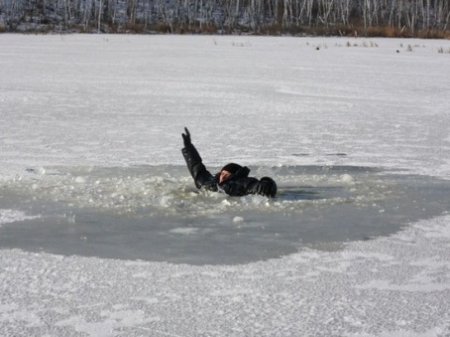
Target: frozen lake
102,232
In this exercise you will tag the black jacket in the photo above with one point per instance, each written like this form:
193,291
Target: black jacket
238,184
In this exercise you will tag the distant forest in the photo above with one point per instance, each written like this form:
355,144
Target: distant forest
423,18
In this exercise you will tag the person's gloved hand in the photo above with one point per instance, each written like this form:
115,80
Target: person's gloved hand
186,138
267,187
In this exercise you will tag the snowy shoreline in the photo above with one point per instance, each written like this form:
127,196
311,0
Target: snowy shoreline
120,101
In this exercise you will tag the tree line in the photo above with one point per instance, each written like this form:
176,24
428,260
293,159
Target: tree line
344,17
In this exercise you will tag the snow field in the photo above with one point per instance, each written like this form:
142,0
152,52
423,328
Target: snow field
124,100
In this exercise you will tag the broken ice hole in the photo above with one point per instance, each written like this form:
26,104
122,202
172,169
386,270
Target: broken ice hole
155,213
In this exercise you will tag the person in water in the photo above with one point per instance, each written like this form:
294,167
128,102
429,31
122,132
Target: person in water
233,178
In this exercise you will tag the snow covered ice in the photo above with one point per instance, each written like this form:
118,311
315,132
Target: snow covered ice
90,143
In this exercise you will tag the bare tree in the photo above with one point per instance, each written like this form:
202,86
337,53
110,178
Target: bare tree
253,15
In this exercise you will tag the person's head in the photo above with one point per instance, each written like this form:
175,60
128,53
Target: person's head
227,171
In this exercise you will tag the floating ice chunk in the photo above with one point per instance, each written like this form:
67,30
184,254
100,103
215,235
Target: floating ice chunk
225,202
80,180
347,178
238,219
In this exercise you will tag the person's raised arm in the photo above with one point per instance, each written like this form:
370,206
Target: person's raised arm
202,177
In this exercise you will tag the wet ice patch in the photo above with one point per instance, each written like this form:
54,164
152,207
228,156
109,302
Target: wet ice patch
11,215
156,213
184,230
